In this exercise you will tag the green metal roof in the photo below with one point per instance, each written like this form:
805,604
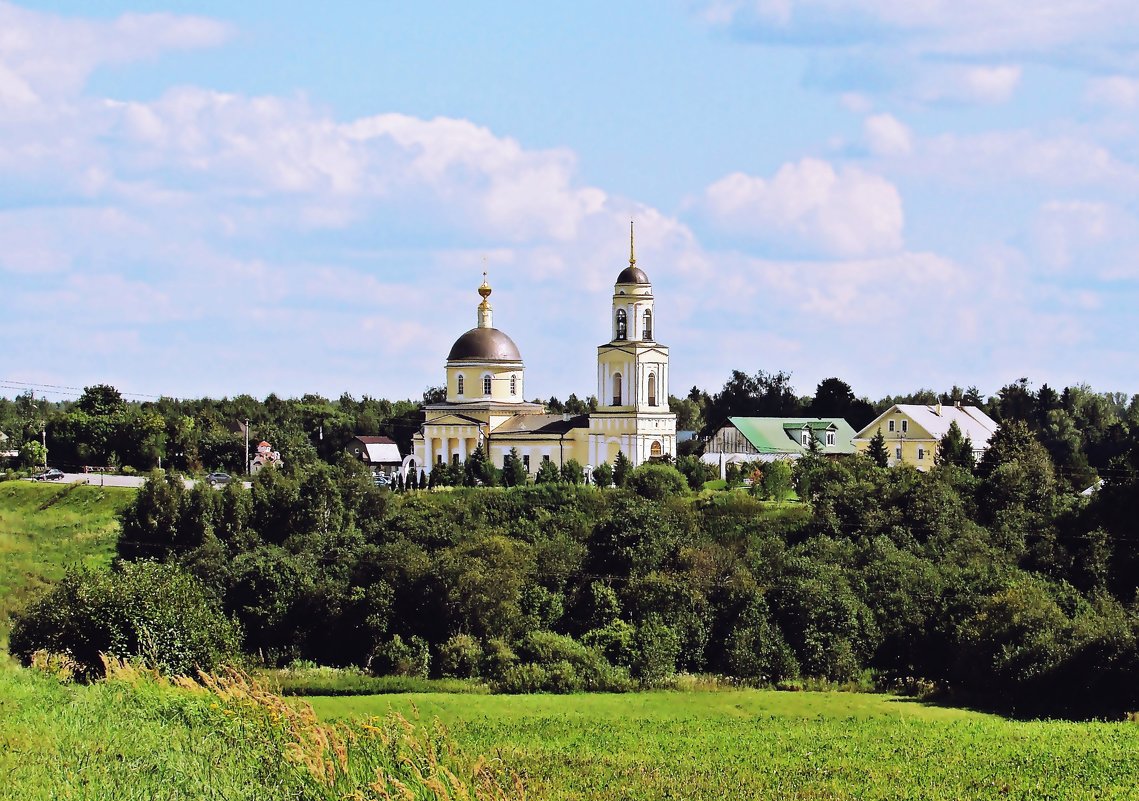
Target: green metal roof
781,434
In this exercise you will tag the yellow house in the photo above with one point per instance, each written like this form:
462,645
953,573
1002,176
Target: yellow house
485,395
912,431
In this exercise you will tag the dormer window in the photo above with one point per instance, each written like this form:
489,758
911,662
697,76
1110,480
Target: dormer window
830,439
459,382
622,324
486,385
649,327
805,438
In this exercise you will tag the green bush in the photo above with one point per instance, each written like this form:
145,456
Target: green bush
656,648
395,657
145,610
460,657
657,481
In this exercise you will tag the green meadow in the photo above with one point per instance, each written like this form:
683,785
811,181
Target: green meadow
46,528
755,744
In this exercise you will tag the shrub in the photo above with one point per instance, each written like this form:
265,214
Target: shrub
398,658
657,647
498,659
145,610
460,657
657,481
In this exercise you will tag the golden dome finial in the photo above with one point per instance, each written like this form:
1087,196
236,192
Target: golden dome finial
484,289
632,252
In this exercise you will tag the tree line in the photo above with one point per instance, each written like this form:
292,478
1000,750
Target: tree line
994,582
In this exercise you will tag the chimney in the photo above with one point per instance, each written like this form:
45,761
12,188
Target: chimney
938,411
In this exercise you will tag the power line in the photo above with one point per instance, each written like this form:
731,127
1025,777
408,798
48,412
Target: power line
53,389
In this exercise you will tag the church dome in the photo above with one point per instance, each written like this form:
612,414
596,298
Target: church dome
632,275
484,345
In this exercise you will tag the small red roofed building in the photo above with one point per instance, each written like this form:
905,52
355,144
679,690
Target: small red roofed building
265,457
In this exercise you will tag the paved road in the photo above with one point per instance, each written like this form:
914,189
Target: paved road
104,480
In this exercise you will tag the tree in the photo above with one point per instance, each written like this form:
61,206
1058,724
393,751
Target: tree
761,395
513,470
877,450
955,449
478,469
33,454
621,468
434,395
146,610
776,480
603,475
657,481
547,473
572,472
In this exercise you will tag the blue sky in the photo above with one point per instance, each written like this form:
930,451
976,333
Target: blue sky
205,198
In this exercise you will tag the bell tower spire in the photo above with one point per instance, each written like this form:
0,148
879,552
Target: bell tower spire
632,250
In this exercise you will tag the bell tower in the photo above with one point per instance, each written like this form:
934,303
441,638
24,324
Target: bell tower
632,377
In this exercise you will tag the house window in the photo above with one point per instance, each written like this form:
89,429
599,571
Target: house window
891,426
486,385
905,426
652,389
830,439
439,458
622,324
898,453
921,454
460,383
526,461
545,457
648,325
616,389
513,385
454,458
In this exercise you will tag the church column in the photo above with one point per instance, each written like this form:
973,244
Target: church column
427,460
462,449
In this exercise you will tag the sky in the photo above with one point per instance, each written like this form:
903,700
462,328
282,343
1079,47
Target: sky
201,198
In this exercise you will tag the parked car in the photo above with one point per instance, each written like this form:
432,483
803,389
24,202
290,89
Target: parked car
54,474
218,479
382,479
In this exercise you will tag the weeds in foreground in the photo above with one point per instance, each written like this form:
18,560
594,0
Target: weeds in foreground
385,758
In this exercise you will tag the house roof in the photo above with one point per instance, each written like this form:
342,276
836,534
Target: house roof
380,450
781,434
556,424
935,420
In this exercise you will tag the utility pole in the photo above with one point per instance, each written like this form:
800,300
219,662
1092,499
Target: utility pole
247,447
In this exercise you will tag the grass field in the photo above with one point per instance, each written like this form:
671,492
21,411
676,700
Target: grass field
46,528
755,744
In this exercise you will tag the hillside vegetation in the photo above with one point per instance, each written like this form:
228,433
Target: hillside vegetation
774,745
45,529
133,736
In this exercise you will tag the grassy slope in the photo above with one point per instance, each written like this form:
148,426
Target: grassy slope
756,744
44,529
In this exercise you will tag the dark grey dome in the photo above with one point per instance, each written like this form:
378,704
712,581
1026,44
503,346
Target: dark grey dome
484,345
632,275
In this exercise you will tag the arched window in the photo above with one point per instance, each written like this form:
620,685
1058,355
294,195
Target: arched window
486,384
616,389
652,389
622,324
513,385
655,450
460,384
648,325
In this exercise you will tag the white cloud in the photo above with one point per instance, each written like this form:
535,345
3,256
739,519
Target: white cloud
1073,28
886,136
989,86
812,207
53,55
1115,91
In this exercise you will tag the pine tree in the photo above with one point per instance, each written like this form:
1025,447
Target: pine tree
423,479
955,448
877,450
513,470
621,469
547,473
